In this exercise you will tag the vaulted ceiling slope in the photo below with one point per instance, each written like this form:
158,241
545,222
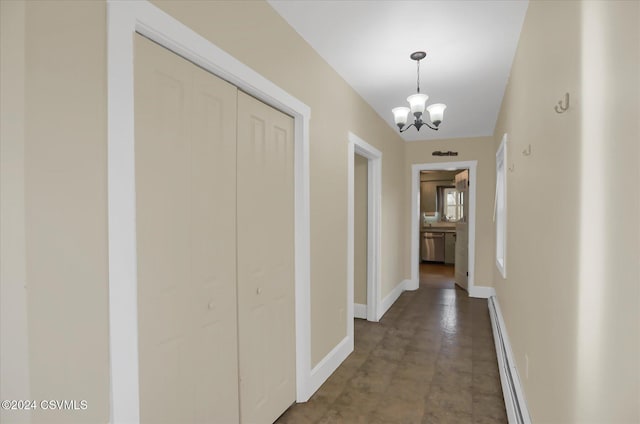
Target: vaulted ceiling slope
470,46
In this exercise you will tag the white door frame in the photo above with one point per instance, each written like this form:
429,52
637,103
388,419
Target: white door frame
415,218
124,18
358,146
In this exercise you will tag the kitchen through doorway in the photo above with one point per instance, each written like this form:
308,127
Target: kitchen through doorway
443,225
443,200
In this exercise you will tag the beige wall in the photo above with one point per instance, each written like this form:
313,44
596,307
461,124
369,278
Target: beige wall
65,182
570,301
482,150
14,353
360,209
64,252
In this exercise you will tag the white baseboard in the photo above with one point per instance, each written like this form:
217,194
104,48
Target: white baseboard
391,298
329,364
321,372
411,285
359,311
514,400
482,292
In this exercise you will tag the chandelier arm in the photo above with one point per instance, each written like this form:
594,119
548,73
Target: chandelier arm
407,127
433,128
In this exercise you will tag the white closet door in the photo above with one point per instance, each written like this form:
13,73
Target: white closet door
185,132
265,261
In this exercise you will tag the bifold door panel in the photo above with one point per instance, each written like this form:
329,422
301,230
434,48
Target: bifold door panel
266,312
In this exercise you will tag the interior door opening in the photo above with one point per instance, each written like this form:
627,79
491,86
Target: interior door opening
443,196
443,225
360,237
367,180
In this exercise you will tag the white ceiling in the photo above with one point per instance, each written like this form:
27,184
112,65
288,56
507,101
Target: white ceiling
470,47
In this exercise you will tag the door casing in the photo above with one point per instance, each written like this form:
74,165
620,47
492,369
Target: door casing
356,145
123,20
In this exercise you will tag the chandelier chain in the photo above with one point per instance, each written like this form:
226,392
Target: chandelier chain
418,76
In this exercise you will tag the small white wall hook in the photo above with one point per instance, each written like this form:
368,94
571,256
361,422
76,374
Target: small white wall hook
527,151
560,107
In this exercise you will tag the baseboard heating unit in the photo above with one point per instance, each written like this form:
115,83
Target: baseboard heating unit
514,401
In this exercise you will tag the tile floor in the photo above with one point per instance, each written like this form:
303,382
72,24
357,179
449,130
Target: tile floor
431,359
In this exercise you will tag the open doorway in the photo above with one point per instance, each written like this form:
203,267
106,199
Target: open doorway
360,183
443,200
363,231
442,210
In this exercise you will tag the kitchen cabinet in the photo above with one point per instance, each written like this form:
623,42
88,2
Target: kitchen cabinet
428,196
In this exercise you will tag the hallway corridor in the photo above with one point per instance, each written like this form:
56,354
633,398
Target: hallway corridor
431,359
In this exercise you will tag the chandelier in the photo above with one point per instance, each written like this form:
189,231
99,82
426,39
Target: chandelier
418,104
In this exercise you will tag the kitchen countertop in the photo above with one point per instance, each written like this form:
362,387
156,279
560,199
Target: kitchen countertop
438,230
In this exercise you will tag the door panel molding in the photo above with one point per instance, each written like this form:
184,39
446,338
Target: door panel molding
123,20
415,217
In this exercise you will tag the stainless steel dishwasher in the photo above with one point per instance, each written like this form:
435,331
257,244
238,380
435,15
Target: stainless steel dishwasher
432,247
